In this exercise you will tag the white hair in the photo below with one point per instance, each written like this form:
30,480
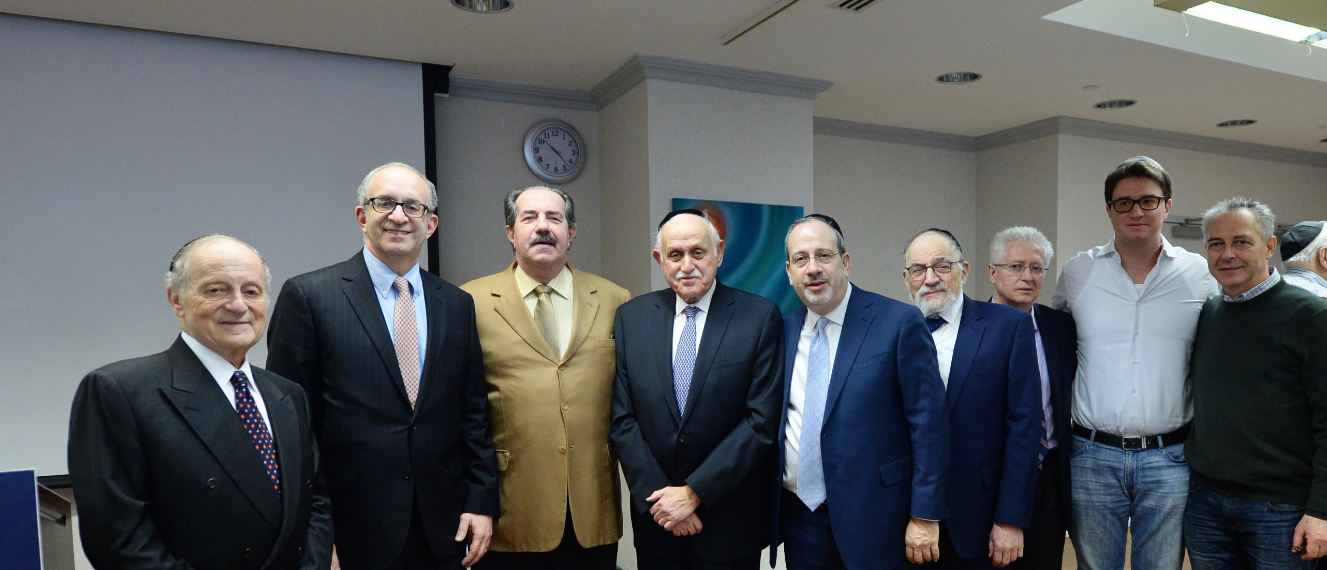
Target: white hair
714,232
1266,221
363,193
1032,236
178,275
1307,257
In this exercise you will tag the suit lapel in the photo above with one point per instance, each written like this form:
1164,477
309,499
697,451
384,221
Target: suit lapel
436,315
856,321
587,307
195,394
285,432
1050,349
970,332
662,327
364,300
716,324
511,307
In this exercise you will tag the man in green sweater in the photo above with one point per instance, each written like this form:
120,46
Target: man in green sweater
1258,451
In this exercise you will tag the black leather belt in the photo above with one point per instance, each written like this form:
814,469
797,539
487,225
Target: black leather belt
1135,442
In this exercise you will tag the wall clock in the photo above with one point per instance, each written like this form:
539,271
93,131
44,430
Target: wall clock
554,151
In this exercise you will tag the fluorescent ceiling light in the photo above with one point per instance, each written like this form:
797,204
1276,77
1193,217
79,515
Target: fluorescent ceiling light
1253,21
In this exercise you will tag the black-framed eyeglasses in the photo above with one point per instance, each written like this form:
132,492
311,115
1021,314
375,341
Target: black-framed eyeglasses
1018,268
388,205
822,258
918,271
1125,205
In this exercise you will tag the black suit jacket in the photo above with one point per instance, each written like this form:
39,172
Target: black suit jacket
328,334
723,446
1059,339
167,477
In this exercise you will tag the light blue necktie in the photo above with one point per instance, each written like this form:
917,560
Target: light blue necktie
684,362
810,470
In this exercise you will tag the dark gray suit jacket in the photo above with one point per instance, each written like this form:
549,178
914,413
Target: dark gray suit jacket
166,476
329,336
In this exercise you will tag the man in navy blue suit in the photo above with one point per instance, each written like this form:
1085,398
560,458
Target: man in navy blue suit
863,438
988,361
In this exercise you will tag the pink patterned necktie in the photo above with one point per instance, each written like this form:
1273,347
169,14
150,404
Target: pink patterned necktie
253,423
407,339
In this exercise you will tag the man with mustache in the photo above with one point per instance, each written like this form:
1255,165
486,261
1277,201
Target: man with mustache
389,356
696,408
1135,302
988,362
864,437
546,329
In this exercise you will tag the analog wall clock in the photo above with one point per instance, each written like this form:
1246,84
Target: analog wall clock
555,151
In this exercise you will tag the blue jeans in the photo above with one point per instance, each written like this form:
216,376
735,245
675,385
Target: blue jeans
1226,533
1117,491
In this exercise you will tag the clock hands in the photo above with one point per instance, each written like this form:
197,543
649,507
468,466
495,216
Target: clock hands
555,151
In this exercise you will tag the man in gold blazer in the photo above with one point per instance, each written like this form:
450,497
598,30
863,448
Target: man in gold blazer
547,334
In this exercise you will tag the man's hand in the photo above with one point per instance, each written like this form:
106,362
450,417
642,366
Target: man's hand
336,562
1310,537
921,542
687,527
673,505
481,529
1006,544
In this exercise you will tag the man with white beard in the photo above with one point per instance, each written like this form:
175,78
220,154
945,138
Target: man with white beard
988,362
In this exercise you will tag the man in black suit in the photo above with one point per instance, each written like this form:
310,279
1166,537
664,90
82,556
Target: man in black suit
696,408
390,358
192,458
1020,258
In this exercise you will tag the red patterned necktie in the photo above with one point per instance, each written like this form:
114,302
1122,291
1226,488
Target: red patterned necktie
253,423
407,339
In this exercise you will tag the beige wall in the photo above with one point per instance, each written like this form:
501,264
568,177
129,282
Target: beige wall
1016,186
624,130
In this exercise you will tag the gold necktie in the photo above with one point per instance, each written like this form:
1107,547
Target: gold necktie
545,319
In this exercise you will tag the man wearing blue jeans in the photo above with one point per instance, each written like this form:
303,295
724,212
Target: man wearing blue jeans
1259,444
1135,301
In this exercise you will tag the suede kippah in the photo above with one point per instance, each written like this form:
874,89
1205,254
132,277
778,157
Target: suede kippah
1298,238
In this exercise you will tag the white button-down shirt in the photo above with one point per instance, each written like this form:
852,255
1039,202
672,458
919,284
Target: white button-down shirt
680,318
797,383
222,370
1134,340
946,337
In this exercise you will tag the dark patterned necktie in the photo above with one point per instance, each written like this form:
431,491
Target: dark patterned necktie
935,321
253,423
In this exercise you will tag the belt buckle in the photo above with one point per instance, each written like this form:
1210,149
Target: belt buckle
1133,443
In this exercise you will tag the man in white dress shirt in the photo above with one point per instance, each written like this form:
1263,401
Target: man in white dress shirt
1135,301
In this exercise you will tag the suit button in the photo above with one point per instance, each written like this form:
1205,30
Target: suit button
681,439
308,484
562,449
248,553
407,474
211,483
300,551
566,406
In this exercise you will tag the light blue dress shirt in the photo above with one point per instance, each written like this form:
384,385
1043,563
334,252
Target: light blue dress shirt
383,277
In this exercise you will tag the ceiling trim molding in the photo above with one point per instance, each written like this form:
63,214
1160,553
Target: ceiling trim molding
642,67
471,88
1144,135
900,135
1021,133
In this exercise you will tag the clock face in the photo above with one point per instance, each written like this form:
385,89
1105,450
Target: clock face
553,151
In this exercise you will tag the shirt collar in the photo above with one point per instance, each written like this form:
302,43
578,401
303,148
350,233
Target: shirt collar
1166,249
836,316
703,304
1033,312
1272,279
954,313
383,277
561,284
1306,274
217,366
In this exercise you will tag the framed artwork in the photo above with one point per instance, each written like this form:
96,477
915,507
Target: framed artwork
753,254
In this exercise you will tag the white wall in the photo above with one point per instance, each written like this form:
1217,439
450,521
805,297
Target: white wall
625,158
884,193
480,160
1016,186
119,146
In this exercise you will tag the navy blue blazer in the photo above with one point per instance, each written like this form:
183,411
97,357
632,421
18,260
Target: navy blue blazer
994,397
1059,338
885,437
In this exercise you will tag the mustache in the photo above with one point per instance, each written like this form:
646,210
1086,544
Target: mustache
695,272
544,237
924,289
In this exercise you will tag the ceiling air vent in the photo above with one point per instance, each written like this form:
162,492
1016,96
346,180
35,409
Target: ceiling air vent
853,5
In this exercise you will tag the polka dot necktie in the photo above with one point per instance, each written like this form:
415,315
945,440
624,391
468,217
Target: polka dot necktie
934,322
253,423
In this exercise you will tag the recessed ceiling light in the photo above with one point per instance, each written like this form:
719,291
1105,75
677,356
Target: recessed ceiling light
1236,123
483,6
958,77
1091,87
1116,104
1253,21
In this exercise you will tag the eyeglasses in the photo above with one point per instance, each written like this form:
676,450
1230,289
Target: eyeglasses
918,271
1125,205
1017,268
388,205
822,258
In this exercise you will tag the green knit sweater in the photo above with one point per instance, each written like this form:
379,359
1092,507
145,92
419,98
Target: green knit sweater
1259,380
